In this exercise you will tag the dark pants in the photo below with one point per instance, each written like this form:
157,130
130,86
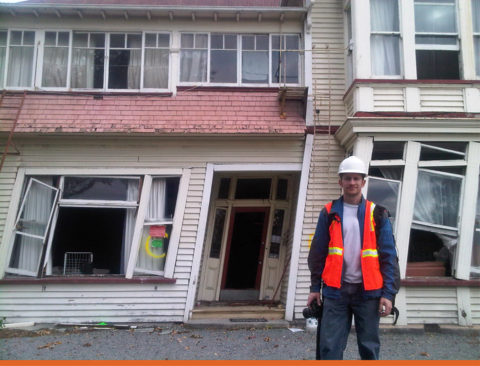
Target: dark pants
337,321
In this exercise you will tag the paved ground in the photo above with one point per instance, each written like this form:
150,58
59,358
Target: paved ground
176,342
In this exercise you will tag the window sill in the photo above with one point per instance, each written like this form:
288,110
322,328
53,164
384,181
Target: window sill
438,281
85,280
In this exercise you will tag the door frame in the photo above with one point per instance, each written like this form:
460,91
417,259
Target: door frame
261,256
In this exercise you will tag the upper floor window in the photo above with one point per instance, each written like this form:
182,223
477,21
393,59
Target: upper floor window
385,37
476,33
239,59
103,61
436,39
3,55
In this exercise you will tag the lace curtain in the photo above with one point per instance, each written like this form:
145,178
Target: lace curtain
55,65
156,68
20,66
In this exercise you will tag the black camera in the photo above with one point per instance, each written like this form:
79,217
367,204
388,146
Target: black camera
315,311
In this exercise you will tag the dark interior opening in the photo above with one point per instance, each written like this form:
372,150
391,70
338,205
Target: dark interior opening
437,65
426,248
245,250
118,69
95,230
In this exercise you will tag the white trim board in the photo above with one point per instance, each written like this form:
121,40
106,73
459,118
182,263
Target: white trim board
257,167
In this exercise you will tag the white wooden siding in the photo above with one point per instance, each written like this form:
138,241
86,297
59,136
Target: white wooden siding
432,305
389,99
322,188
475,304
129,302
328,60
439,99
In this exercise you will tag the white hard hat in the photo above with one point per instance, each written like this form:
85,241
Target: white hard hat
352,164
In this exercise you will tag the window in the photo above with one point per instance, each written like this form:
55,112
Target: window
218,229
385,37
476,33
475,266
349,46
193,57
436,39
385,192
101,61
3,55
223,58
285,57
157,61
21,57
125,60
255,188
88,61
94,226
255,59
55,59
277,232
239,59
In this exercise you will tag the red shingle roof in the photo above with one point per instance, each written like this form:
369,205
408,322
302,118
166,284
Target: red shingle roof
206,112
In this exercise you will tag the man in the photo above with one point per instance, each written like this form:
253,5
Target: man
357,264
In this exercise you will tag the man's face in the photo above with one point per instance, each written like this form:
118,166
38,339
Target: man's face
352,184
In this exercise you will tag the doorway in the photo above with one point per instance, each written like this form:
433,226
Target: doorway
244,256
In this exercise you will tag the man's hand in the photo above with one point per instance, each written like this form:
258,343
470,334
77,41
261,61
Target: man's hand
384,307
313,296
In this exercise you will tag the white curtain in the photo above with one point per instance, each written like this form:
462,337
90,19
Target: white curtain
37,208
385,49
134,69
156,69
20,66
55,65
129,227
437,199
155,212
83,68
255,67
193,65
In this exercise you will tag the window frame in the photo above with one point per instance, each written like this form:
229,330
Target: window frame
439,47
239,61
144,194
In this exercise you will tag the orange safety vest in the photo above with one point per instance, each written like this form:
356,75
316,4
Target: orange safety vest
332,274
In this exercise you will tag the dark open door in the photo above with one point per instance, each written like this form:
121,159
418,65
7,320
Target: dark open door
242,271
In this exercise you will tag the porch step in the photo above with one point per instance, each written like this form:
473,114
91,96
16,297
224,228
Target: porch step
241,312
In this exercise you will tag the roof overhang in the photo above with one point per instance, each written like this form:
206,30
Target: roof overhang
238,13
402,129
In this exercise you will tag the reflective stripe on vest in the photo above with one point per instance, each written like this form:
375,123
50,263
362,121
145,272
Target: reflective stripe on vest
332,273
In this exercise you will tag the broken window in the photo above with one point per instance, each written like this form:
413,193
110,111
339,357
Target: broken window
94,227
277,231
224,189
475,266
157,228
31,226
443,151
218,229
385,192
436,39
55,59
282,189
21,57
